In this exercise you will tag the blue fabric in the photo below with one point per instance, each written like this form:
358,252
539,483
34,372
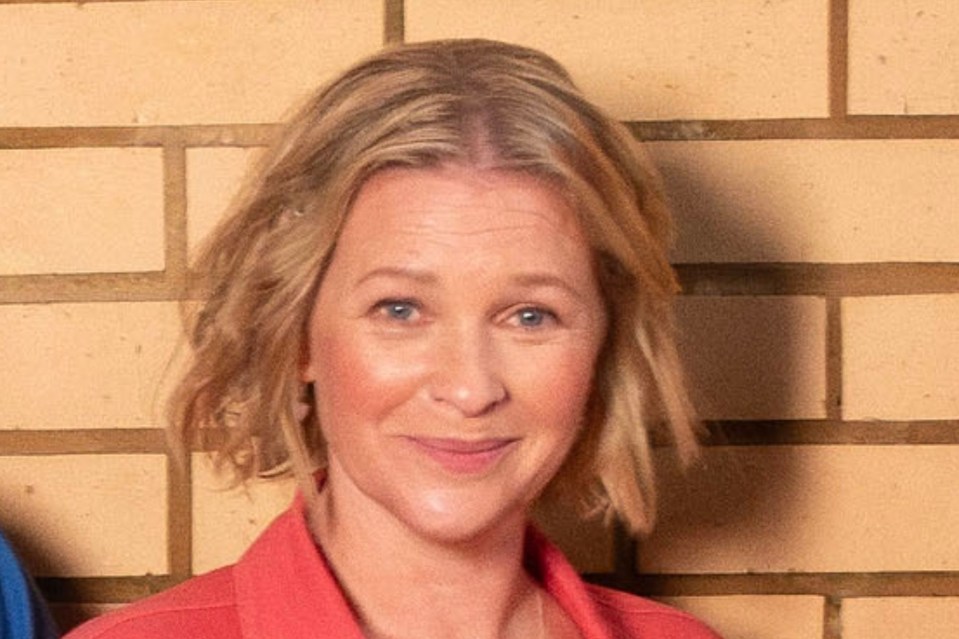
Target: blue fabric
23,614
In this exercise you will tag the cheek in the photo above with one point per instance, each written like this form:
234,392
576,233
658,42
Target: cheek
356,381
562,387
573,392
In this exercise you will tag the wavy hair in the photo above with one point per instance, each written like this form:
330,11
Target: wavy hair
473,102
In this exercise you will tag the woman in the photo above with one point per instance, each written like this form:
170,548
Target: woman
447,289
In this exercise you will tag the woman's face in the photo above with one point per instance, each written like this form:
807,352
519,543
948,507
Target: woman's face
452,347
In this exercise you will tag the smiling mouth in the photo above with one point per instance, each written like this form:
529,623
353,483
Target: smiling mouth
461,456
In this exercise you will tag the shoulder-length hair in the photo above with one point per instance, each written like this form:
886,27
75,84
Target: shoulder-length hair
475,102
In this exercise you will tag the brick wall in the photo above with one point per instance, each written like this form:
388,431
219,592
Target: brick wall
811,148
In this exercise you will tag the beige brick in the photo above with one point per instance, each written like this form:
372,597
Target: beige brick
213,179
661,60
903,57
87,515
226,521
757,617
810,509
107,63
80,210
85,365
755,357
813,200
900,618
901,357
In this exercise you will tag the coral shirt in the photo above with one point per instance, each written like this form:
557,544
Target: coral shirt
282,588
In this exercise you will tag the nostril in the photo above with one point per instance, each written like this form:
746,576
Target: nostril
472,395
471,402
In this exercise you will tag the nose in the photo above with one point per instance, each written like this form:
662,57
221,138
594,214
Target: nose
466,376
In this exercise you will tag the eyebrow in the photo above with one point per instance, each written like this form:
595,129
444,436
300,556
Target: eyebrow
524,280
534,280
400,272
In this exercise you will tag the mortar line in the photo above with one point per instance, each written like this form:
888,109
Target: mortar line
626,555
834,358
179,517
832,618
394,22
175,213
838,52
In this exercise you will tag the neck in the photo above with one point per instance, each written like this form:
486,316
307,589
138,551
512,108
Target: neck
473,587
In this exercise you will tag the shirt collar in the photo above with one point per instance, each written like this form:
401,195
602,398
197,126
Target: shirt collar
285,587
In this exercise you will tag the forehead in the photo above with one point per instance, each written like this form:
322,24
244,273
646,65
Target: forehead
462,225
459,201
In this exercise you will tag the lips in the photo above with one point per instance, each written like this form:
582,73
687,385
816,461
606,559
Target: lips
462,456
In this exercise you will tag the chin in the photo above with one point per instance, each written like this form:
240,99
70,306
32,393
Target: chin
447,520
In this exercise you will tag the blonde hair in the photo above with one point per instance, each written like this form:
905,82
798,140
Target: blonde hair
469,101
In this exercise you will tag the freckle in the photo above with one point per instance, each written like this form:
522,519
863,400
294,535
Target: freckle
29,489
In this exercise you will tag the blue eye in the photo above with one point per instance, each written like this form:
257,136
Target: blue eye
533,317
397,310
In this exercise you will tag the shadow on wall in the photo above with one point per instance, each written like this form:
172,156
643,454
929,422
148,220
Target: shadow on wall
747,358
35,549
43,537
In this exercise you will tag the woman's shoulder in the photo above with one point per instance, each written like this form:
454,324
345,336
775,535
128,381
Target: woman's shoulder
203,606
634,616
